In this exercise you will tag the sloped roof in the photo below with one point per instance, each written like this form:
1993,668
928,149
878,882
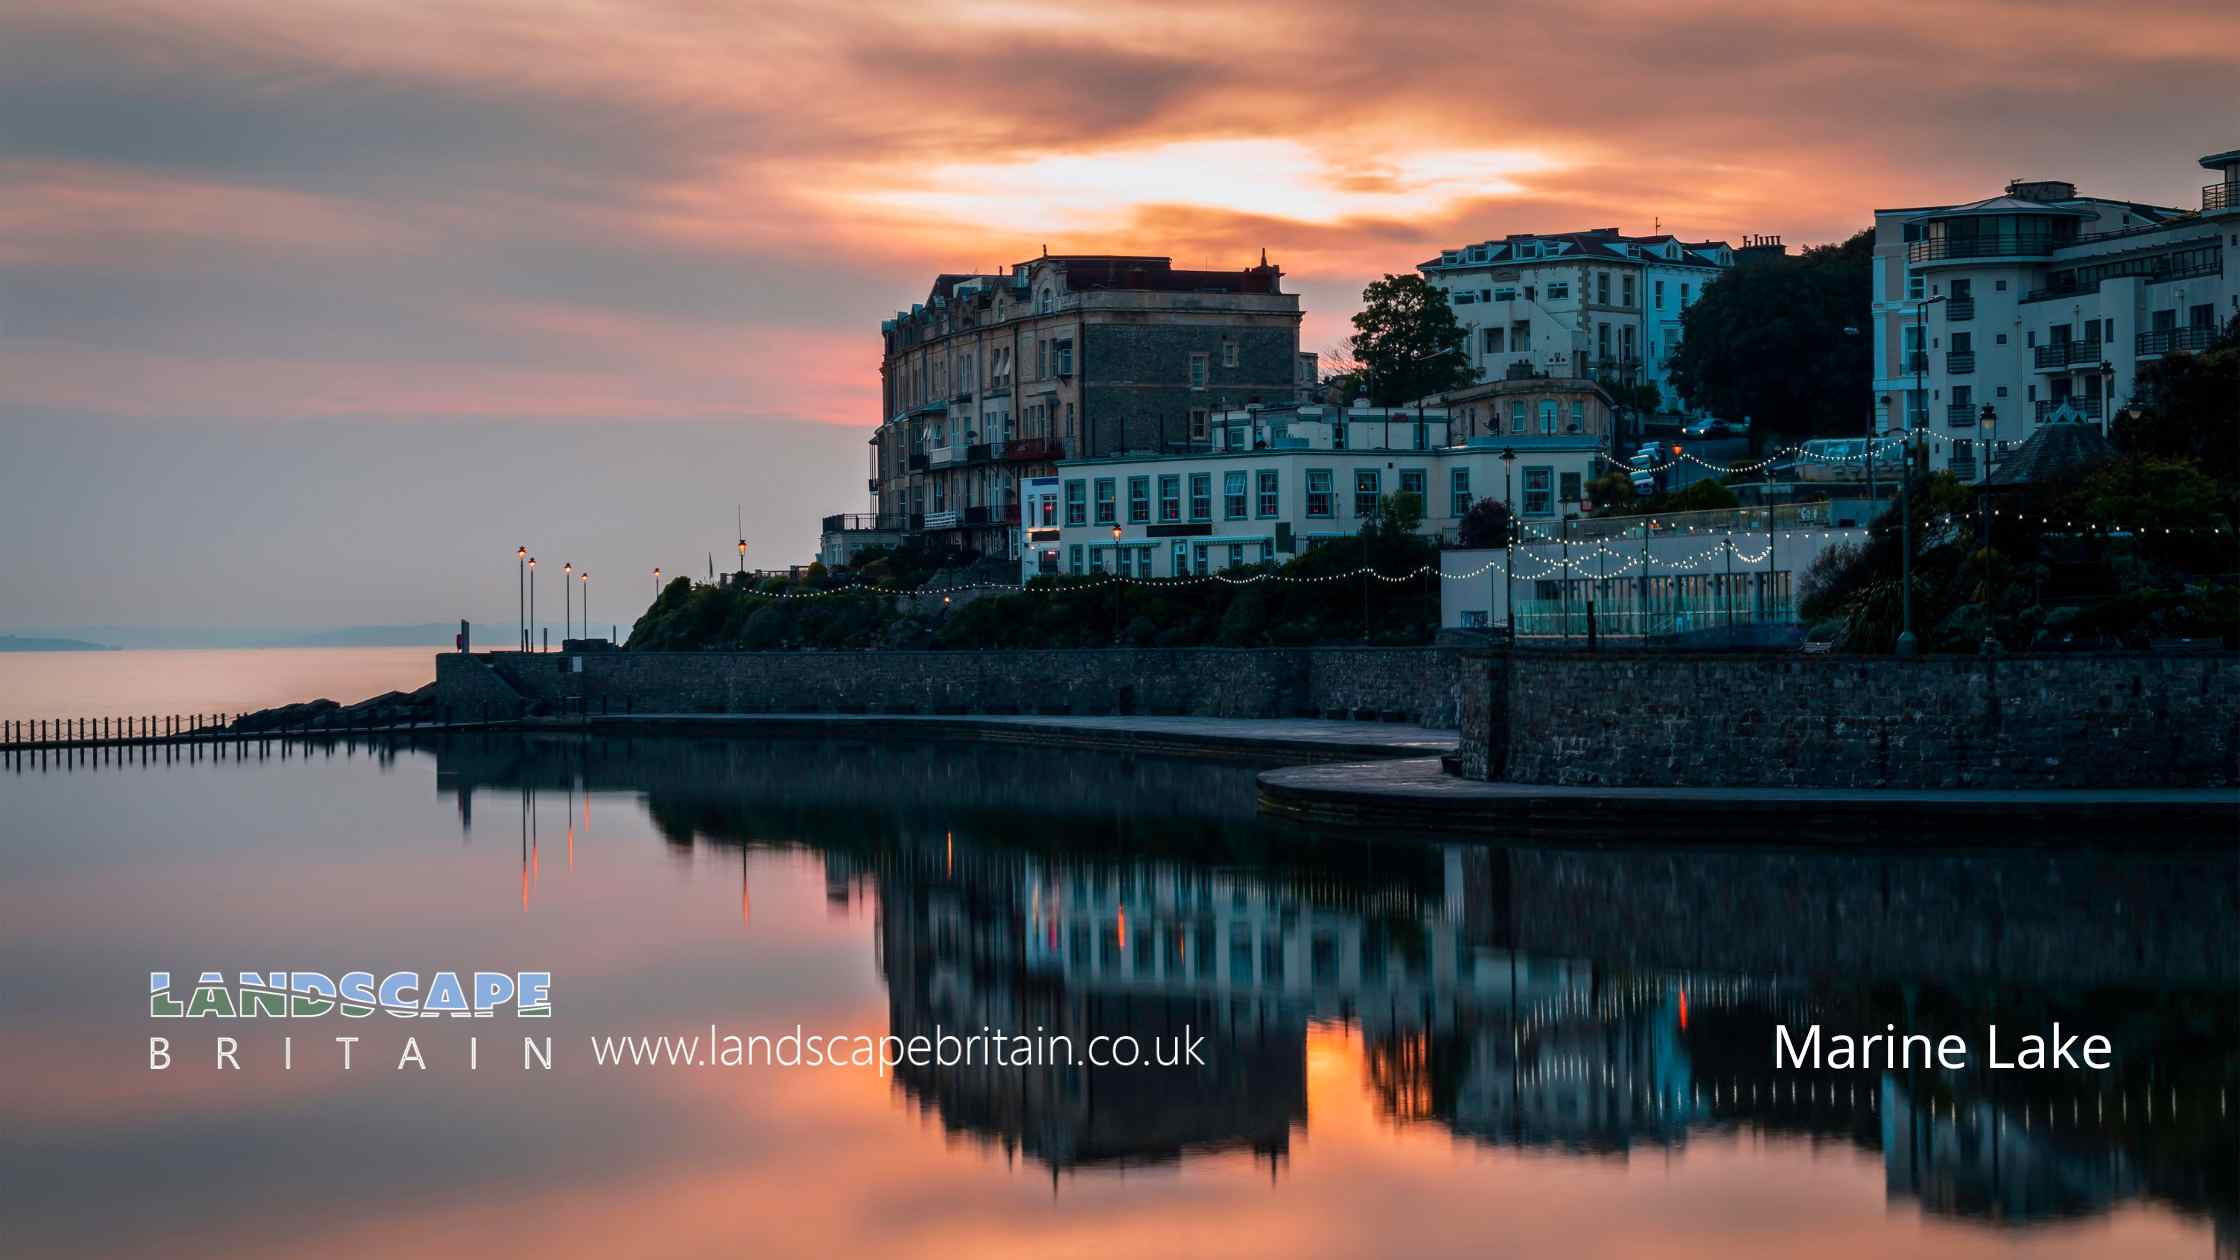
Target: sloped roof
2058,448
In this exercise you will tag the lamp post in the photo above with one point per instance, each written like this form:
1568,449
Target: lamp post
521,596
1509,545
567,601
657,581
2107,395
1114,578
532,604
1908,644
1990,420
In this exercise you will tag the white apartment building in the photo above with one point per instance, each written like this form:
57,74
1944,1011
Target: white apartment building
1279,480
1593,304
2041,303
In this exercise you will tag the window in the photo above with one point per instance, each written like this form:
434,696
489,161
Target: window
1041,359
1547,415
1602,340
1915,288
1627,299
1508,294
1228,354
1236,555
1458,492
1233,495
1077,507
1271,499
1120,557
1475,619
1365,484
1578,415
1061,355
1201,496
1557,291
1338,430
1049,304
1602,287
1139,500
1318,493
1096,559
1199,420
1108,507
1999,286
1570,487
1656,291
1520,335
1539,491
1074,558
1493,338
1413,481
1170,497
1683,297
1198,559
1999,339
1516,416
1198,369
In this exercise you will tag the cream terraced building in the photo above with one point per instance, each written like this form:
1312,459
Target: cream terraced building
1281,480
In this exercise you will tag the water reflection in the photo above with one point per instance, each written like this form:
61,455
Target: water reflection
1585,1001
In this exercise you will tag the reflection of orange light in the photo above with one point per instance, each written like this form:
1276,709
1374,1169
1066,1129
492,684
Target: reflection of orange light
951,867
524,885
1683,1010
1120,928
571,848
746,910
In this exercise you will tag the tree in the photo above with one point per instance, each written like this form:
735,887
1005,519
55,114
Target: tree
1486,524
2188,407
1768,340
1408,342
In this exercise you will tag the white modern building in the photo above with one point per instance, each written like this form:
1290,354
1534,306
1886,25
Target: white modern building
2042,303
1279,480
1593,304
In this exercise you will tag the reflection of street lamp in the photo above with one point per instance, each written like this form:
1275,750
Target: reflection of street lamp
1509,545
1114,578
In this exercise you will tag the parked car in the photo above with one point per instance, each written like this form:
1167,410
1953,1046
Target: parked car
1703,428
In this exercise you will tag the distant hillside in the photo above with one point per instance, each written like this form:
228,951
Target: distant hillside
11,643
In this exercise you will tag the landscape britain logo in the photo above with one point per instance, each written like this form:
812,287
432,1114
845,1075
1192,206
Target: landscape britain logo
355,995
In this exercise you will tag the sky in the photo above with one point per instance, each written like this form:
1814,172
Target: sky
311,313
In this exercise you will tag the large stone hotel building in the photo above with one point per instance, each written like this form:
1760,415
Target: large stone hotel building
996,377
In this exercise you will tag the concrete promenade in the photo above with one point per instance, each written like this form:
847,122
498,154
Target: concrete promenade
1415,794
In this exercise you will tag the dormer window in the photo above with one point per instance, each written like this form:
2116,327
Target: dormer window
1049,301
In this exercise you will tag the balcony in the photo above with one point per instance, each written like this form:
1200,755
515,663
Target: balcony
2061,355
977,516
1960,309
845,521
1912,361
1945,249
942,520
1960,416
979,453
2173,340
1034,450
2216,197
917,461
944,456
1960,363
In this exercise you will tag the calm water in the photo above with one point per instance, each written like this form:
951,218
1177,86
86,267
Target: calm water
1411,1047
55,685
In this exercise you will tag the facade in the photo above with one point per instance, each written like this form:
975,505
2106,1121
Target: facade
2042,304
1596,304
997,377
1543,405
1279,480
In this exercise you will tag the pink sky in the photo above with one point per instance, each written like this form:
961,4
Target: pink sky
580,211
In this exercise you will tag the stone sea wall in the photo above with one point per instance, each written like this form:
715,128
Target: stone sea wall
1392,684
2014,722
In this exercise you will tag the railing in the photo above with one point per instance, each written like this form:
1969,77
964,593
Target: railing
1912,361
977,516
1035,450
2062,354
1993,245
2170,340
979,452
840,521
942,520
943,456
1960,416
1958,309
2220,197
1959,362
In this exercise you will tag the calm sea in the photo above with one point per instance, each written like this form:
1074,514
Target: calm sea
1410,1048
57,685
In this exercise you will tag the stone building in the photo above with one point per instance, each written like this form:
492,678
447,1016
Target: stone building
996,377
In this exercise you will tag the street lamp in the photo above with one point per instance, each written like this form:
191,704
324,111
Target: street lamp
1114,578
1990,420
567,602
1908,644
1509,545
532,603
2107,395
521,596
657,581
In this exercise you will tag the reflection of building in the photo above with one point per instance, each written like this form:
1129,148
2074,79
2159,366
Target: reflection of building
2043,304
1978,1159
